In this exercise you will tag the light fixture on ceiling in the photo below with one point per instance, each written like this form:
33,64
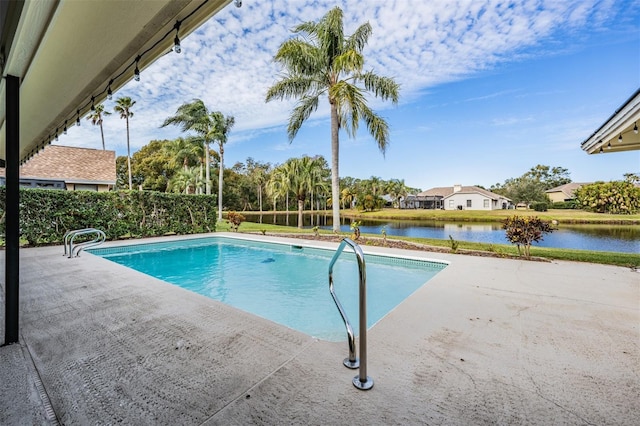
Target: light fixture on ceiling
176,40
56,134
238,3
601,150
620,138
65,127
136,72
109,92
609,145
635,128
78,119
93,103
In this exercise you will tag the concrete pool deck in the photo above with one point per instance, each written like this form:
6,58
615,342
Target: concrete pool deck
486,341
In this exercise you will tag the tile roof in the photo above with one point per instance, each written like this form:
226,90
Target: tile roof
71,165
567,189
446,191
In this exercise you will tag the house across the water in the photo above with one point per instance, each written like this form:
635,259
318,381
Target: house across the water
457,197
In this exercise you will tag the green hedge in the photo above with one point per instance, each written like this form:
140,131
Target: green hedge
45,215
564,205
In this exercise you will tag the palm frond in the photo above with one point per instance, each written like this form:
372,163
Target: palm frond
359,38
382,87
289,87
300,113
377,126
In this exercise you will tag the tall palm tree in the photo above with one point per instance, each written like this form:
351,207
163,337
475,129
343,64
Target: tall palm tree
195,116
220,132
123,107
321,61
96,118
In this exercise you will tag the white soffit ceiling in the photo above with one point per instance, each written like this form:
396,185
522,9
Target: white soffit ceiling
620,125
67,51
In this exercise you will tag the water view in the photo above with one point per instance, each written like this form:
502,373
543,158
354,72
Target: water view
613,238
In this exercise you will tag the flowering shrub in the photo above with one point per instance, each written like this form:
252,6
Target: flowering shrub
522,231
235,219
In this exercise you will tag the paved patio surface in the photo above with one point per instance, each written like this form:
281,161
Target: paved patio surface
487,341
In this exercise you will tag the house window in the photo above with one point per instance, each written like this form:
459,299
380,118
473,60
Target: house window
85,187
451,204
468,204
486,204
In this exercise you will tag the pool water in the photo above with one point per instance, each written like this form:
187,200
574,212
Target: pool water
284,283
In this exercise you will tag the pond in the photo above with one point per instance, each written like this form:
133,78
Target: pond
613,238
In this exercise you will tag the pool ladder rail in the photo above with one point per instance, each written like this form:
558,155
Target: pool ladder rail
73,250
361,381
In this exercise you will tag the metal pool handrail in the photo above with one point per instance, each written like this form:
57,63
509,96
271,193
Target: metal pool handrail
70,236
361,381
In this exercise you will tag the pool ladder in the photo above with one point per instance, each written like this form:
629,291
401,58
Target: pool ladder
71,250
361,381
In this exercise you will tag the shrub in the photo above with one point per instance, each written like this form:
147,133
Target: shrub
540,206
522,231
617,197
564,205
355,227
454,244
235,219
45,215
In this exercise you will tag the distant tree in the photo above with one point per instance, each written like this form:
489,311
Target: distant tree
549,177
151,166
96,119
632,178
123,107
220,133
321,62
397,189
617,197
183,152
186,181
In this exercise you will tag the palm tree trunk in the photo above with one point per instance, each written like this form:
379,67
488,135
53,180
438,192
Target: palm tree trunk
260,197
129,156
335,179
300,209
207,161
102,134
220,177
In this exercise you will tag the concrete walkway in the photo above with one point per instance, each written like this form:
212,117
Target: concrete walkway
487,341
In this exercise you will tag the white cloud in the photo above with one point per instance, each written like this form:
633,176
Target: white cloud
228,61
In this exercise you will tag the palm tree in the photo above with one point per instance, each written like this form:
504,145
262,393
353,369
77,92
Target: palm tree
123,107
298,175
183,152
96,118
220,131
321,61
185,181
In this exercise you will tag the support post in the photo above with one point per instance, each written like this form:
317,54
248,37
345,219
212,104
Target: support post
12,210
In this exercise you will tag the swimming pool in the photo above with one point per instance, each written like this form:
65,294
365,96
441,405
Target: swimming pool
285,283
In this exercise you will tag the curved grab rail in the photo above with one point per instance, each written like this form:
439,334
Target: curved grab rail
70,236
361,381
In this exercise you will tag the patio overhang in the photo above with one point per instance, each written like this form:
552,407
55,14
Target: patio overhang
66,52
619,132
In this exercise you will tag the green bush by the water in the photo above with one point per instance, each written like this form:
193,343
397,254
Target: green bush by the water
45,215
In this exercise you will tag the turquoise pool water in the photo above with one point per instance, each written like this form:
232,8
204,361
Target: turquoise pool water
287,284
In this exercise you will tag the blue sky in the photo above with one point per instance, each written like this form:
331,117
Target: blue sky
489,89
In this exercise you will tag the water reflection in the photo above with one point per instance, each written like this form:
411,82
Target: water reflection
617,238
